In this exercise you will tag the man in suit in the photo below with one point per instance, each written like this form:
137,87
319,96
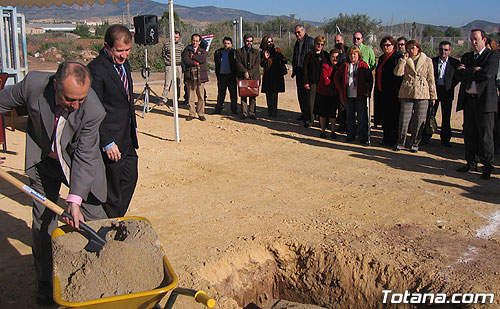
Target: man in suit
303,45
112,82
61,147
225,70
478,98
444,72
248,67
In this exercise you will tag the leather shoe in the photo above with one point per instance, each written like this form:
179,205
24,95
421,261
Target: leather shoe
202,118
349,139
446,144
43,293
189,118
467,167
243,117
487,169
252,117
300,118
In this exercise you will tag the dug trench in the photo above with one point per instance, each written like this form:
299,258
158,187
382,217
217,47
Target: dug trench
343,271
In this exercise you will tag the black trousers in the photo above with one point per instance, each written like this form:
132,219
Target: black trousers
272,103
478,133
121,178
226,82
302,94
446,100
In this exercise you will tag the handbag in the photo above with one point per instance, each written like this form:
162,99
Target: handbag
431,123
284,69
248,87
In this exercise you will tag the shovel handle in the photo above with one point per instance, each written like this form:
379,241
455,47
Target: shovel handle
47,203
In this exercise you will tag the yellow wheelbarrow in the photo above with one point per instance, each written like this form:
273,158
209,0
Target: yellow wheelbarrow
147,299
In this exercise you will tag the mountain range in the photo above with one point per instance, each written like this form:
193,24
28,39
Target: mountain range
102,12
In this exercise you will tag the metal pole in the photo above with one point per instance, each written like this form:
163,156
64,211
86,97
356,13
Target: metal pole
241,31
234,30
174,73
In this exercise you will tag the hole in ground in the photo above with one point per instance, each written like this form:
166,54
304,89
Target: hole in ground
326,276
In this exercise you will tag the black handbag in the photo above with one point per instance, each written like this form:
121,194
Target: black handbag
431,123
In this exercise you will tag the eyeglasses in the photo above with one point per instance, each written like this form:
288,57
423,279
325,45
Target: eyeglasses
320,44
444,49
249,41
357,39
401,44
414,47
298,32
386,45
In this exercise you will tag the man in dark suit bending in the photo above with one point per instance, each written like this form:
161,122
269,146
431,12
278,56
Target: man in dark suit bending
61,147
112,82
478,98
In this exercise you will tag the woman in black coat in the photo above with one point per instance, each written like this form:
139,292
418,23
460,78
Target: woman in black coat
386,102
313,62
273,61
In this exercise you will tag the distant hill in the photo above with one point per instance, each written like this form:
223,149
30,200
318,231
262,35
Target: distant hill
109,9
487,26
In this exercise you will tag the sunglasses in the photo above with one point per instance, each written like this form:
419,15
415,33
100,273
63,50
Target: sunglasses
268,42
386,45
320,44
297,32
414,47
357,39
249,41
443,49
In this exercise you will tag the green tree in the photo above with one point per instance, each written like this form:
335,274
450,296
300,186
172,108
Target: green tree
450,31
100,30
432,31
83,31
164,25
352,23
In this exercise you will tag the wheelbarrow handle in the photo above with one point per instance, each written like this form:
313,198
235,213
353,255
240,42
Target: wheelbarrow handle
200,297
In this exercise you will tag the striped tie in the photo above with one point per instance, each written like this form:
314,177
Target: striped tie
59,130
123,77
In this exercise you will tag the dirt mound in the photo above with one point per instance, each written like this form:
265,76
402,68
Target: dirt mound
131,261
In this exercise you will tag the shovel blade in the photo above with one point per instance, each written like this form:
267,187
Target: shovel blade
96,239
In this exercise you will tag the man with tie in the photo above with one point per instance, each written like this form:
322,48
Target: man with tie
112,82
478,98
61,147
444,72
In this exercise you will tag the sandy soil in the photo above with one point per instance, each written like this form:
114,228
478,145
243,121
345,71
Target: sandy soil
265,209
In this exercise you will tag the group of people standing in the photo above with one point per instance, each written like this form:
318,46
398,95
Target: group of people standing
336,86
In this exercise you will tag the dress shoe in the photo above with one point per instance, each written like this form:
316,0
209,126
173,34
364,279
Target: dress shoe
234,112
349,139
467,167
446,144
333,135
487,169
322,134
43,293
243,117
306,125
189,118
300,118
252,117
202,118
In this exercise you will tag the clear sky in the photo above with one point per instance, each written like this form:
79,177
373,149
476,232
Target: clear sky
454,13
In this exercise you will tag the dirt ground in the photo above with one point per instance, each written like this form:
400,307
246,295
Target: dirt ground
264,209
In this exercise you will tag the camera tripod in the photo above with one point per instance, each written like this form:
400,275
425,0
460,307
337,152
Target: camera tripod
147,91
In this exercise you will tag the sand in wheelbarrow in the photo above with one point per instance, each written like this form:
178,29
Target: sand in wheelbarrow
131,261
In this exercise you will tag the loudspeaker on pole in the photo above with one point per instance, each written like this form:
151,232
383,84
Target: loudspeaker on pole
146,29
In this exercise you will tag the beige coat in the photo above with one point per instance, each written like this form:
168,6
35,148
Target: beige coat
418,78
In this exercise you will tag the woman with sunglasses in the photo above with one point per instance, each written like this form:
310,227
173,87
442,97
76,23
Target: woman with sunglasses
417,88
386,103
273,82
354,81
327,96
312,70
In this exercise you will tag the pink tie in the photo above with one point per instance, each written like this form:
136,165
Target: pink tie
123,77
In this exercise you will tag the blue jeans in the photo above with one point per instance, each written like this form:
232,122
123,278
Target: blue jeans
357,119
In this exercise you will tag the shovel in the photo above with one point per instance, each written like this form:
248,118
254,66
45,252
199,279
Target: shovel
96,239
